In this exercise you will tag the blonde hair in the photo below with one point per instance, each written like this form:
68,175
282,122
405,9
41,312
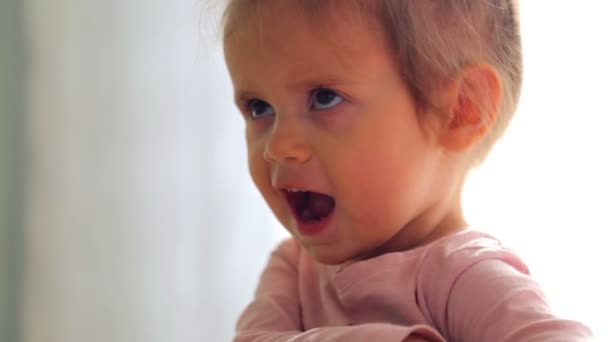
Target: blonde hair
433,40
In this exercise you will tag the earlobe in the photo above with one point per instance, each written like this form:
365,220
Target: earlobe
473,107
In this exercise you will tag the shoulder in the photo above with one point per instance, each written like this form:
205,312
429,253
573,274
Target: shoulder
280,271
288,245
287,251
447,259
472,288
455,253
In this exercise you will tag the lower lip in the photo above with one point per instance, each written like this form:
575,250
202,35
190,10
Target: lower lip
315,228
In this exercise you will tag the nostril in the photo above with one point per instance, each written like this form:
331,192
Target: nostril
287,142
267,156
288,152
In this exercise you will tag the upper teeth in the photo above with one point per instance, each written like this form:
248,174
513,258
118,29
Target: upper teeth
294,190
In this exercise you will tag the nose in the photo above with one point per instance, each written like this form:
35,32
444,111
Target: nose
287,143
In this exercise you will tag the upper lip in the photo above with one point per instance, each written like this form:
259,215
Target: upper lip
293,185
293,189
285,180
289,187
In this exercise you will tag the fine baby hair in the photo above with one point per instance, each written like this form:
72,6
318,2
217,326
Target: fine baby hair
432,40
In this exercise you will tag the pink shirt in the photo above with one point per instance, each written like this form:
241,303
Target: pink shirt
463,287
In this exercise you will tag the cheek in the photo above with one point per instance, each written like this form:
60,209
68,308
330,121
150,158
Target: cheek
388,184
258,168
259,171
370,186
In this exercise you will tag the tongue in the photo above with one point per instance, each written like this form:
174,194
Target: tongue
318,206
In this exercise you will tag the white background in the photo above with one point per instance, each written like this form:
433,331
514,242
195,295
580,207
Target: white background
142,223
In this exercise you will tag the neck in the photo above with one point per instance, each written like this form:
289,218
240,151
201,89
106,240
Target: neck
444,217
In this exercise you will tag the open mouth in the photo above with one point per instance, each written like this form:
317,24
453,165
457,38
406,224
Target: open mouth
308,206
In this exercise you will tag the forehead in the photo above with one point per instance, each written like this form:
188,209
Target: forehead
282,38
316,15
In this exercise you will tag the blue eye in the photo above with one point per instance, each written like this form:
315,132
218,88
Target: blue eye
324,99
258,109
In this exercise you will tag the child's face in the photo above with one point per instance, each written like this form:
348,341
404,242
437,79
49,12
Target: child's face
328,112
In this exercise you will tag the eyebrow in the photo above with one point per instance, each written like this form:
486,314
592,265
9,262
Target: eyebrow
315,81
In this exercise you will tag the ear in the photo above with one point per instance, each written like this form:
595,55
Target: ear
471,103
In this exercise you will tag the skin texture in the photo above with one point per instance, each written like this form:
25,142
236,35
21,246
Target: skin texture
395,172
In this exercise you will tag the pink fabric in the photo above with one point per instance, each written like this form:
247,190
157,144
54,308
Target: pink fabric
464,287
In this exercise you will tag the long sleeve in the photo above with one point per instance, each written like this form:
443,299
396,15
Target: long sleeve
363,333
275,306
275,315
492,301
483,292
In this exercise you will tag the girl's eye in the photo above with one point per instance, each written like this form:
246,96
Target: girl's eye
259,108
324,99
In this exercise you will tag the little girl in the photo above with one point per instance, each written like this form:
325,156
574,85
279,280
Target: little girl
363,118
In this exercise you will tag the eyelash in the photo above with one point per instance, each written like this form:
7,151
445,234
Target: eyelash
249,104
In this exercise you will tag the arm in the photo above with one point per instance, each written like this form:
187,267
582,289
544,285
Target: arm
275,306
274,315
493,301
473,289
363,333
